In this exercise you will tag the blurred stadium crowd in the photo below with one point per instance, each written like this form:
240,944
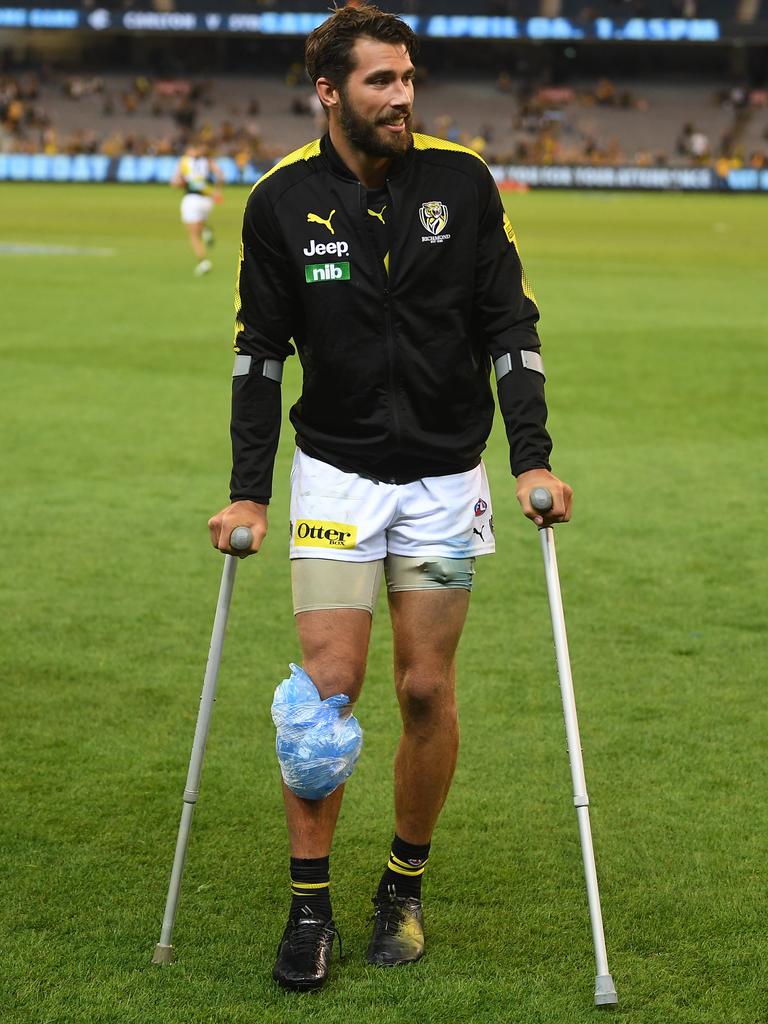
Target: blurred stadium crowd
261,119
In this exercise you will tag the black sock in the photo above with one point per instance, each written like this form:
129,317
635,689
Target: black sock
405,869
310,880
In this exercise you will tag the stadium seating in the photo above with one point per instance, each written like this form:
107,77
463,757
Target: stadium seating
598,121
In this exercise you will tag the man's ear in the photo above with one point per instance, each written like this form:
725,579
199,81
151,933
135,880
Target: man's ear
328,93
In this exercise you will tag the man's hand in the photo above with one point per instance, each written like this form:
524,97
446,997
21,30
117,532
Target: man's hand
239,513
562,497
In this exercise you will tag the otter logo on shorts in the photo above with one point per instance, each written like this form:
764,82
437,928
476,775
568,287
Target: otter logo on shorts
313,533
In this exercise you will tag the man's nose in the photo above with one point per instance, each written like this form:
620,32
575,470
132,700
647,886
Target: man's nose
401,96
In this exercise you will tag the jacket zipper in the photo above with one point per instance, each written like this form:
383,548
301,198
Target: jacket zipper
390,333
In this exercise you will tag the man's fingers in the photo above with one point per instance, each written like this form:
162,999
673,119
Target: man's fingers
557,514
214,527
568,504
224,543
560,512
245,516
560,493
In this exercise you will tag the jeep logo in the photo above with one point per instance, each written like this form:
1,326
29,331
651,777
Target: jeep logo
326,248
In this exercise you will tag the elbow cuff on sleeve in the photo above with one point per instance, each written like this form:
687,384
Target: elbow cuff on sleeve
255,432
524,410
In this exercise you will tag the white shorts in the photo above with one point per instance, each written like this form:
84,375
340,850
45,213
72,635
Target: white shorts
195,208
355,519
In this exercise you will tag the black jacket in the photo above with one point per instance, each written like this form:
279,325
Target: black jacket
396,360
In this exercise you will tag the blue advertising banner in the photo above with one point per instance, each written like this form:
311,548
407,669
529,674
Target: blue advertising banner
135,170
439,26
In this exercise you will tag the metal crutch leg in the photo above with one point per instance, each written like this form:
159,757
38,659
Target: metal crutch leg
240,540
605,991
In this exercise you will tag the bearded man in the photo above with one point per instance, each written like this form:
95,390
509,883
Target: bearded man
386,260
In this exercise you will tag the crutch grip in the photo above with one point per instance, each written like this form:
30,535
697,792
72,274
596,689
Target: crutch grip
541,499
241,538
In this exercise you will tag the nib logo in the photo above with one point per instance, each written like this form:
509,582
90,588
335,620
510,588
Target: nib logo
315,272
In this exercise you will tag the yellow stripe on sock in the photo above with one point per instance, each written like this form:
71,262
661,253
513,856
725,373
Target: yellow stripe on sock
309,885
408,874
404,863
411,872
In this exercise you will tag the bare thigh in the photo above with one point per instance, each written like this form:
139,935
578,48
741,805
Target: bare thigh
334,646
427,627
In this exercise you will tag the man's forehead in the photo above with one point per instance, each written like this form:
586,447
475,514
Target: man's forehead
375,55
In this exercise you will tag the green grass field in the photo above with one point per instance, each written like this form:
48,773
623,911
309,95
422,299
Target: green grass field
115,392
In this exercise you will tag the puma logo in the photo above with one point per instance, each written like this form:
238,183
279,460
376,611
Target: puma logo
479,533
379,215
315,218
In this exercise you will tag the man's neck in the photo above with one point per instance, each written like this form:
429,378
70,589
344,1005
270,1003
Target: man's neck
370,171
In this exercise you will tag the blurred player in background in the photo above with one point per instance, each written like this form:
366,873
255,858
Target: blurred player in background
200,177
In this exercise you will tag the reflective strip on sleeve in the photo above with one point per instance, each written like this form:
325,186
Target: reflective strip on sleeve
503,366
273,368
530,360
242,366
533,361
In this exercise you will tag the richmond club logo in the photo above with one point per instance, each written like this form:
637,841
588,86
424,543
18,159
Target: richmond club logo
434,216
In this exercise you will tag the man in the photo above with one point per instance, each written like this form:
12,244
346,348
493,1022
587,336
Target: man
199,176
387,258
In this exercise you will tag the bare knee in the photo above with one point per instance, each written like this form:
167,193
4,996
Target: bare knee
426,699
335,675
334,645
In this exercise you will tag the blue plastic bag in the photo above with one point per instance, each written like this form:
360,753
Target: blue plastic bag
317,745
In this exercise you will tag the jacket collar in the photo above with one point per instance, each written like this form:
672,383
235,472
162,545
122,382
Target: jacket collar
398,166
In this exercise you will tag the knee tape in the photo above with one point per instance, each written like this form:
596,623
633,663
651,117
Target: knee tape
320,583
405,572
317,744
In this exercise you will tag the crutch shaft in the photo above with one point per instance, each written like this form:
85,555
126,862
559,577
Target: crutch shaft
605,993
562,656
164,949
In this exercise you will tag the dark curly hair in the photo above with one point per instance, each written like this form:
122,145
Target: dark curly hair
328,49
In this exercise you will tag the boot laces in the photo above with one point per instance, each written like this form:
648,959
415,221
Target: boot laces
389,910
303,933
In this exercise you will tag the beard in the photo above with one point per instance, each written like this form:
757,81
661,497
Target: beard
366,135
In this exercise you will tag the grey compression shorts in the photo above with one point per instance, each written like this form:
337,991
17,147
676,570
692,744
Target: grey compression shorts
325,583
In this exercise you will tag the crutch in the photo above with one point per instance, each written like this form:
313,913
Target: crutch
605,991
241,540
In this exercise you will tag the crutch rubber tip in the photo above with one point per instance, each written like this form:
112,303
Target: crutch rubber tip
163,954
605,991
541,499
241,538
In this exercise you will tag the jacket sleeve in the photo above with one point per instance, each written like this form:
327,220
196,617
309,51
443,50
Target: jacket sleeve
507,311
264,302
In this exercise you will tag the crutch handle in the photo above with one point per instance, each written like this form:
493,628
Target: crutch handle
241,538
541,499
